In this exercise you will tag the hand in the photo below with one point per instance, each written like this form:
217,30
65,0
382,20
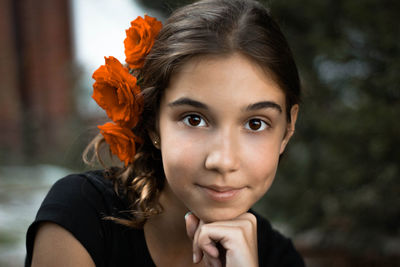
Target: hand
224,243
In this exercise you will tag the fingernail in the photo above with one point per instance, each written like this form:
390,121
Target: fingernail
187,214
194,258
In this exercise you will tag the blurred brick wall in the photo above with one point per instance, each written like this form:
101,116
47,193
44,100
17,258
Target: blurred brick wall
36,96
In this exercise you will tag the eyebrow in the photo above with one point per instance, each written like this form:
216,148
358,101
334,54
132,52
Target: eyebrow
184,101
264,104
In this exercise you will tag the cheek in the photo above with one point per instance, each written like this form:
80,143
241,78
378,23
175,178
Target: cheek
180,154
261,159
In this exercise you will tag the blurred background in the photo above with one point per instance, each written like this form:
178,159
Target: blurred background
337,190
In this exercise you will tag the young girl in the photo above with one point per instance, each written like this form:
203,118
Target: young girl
201,115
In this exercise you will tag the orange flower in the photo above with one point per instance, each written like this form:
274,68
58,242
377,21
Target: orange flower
121,141
139,40
116,91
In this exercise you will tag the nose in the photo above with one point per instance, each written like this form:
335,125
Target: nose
223,154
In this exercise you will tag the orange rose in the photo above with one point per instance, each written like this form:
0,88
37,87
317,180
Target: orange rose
139,40
116,91
121,141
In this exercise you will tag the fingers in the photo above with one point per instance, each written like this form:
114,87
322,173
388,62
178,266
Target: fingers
192,223
232,242
206,243
224,243
197,253
208,251
242,228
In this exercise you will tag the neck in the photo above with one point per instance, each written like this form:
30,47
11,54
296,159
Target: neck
168,225
165,233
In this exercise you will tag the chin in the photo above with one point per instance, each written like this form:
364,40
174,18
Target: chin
221,214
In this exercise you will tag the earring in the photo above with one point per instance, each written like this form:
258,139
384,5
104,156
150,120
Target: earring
156,142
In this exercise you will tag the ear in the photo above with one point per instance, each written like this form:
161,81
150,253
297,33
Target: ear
290,127
155,139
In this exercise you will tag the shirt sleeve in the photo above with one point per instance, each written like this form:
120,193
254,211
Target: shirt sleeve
286,254
274,249
76,205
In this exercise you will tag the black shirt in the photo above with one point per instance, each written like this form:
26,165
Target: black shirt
79,203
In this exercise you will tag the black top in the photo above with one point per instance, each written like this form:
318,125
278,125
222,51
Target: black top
79,203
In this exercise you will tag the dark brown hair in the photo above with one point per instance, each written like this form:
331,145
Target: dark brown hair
208,27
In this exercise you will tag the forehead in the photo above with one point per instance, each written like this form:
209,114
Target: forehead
233,78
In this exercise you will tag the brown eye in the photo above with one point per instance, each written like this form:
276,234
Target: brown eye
194,120
256,125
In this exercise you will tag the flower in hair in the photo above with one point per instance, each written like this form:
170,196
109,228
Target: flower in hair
121,141
116,91
139,40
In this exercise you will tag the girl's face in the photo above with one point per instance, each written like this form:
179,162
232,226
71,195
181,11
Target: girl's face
222,126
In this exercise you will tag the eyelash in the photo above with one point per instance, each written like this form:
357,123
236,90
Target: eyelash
202,123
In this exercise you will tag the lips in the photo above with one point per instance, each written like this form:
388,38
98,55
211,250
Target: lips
221,193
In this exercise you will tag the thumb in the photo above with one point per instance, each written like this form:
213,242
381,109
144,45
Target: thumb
192,223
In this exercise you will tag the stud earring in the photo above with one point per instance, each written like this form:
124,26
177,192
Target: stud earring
156,142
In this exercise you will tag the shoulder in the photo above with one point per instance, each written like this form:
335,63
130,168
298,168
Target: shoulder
87,182
274,249
54,245
83,194
78,204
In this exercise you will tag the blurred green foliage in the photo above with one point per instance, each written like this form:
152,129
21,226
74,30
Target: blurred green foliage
341,172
